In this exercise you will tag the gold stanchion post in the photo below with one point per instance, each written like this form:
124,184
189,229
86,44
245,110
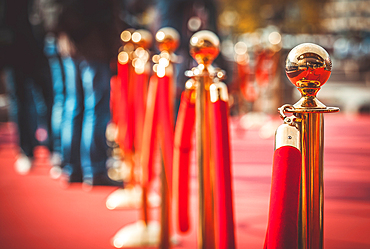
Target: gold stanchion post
213,151
167,42
308,67
158,128
204,48
131,91
216,220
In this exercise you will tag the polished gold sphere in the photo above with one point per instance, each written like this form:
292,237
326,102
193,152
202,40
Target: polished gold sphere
204,47
142,38
308,65
167,39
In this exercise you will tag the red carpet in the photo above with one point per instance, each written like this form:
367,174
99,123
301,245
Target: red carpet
37,213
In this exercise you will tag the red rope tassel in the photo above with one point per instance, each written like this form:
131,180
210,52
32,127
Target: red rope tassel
282,229
223,185
181,158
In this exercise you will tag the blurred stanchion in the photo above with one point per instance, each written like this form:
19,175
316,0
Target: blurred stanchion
258,86
297,195
216,221
266,63
128,100
158,128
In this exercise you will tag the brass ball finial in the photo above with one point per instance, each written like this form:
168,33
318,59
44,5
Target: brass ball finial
308,64
167,39
142,38
204,47
308,67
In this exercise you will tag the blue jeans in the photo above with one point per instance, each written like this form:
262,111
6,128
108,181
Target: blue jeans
85,118
31,98
57,73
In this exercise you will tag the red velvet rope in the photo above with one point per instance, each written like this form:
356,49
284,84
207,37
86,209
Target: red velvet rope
225,234
114,98
125,135
282,229
158,122
165,126
181,158
139,106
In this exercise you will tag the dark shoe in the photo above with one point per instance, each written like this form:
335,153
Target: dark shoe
66,180
56,159
74,178
102,180
55,172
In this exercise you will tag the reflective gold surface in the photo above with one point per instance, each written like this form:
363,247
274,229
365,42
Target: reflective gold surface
190,90
313,110
142,38
312,195
167,39
218,91
308,67
206,235
204,47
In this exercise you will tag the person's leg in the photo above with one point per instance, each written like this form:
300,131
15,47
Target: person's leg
57,73
23,113
43,80
26,113
95,80
72,122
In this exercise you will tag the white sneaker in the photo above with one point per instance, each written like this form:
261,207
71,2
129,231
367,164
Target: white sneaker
56,162
55,159
23,164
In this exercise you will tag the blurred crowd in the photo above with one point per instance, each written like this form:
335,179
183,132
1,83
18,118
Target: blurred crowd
58,57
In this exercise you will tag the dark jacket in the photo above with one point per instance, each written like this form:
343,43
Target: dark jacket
93,26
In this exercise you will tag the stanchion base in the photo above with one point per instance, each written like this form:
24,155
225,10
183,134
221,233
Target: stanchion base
130,198
138,235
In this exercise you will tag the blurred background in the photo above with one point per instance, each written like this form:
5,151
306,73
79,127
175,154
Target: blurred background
256,37
341,27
